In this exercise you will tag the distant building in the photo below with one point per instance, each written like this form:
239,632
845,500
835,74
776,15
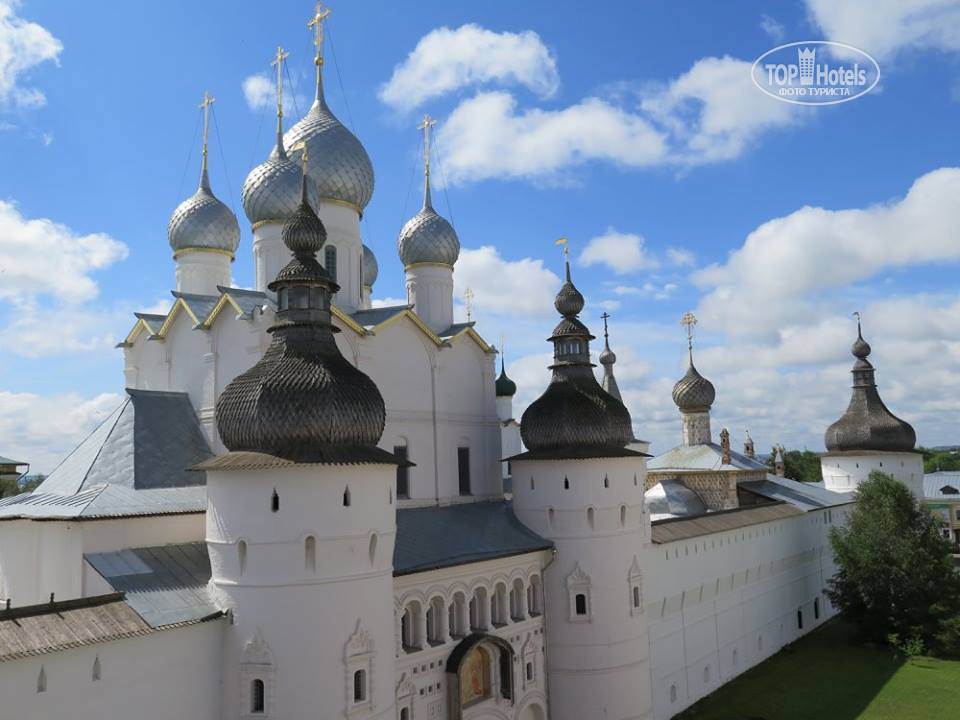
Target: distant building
12,470
941,494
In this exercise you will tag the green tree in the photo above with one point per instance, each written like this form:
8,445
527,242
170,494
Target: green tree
934,460
896,575
8,487
801,465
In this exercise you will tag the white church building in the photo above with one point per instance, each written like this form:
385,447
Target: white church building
298,510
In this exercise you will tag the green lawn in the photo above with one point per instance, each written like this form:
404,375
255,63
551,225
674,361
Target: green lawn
828,676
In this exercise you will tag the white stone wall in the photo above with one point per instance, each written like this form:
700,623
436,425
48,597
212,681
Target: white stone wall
721,603
309,586
597,652
422,684
430,291
843,472
200,272
169,674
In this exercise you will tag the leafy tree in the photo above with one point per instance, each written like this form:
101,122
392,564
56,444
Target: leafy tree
802,465
934,460
896,576
31,482
8,487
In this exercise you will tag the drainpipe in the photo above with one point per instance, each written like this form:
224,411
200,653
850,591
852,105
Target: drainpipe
546,664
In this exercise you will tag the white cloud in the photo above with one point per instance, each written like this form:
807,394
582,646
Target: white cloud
885,27
42,429
657,291
786,268
772,27
62,329
487,137
711,113
680,257
387,302
69,258
503,286
446,60
259,92
23,45
621,252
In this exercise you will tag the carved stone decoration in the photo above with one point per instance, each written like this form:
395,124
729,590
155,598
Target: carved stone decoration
635,585
358,657
257,665
725,446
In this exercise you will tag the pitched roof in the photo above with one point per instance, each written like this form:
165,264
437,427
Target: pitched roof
684,528
934,484
802,495
134,463
49,627
435,537
702,457
8,461
374,316
166,584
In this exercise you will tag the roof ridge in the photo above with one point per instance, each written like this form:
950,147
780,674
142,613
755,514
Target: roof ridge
87,437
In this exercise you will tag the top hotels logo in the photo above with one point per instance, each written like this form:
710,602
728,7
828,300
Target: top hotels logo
792,73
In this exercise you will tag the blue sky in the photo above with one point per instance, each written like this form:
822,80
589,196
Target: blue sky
633,129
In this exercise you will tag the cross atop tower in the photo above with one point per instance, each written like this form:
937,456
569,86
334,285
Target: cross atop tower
688,321
317,24
605,316
425,125
208,100
278,63
468,300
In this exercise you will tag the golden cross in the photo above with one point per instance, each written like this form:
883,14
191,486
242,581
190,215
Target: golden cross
688,321
207,102
566,248
317,24
427,123
278,62
468,300
605,316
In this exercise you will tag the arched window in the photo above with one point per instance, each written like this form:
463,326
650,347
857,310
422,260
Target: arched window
310,554
42,680
799,619
673,693
636,596
274,501
346,497
623,516
359,686
257,695
566,484
816,608
606,482
580,601
534,596
550,517
330,261
405,714
590,517
95,675
242,555
372,549
706,675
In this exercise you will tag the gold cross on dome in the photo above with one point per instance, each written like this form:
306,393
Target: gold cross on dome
605,316
317,24
208,100
278,63
468,301
425,125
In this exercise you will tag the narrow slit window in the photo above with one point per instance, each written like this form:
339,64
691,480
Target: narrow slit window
275,501
360,686
580,604
330,261
257,696
403,471
463,469
346,497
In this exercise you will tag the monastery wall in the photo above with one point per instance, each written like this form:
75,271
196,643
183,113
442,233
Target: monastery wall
168,674
719,604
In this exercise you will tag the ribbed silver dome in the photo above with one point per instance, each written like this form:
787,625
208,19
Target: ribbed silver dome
338,164
428,238
271,192
202,222
370,268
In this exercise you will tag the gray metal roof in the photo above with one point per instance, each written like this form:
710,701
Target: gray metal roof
135,463
49,627
248,300
166,584
8,461
671,530
200,305
455,329
671,498
374,316
805,496
702,457
437,537
935,483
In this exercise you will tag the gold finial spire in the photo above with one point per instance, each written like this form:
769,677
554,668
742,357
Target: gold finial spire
208,100
468,300
278,63
316,22
566,254
688,321
425,125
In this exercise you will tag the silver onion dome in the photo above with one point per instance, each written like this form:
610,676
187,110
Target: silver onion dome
271,192
370,268
427,237
202,222
339,166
